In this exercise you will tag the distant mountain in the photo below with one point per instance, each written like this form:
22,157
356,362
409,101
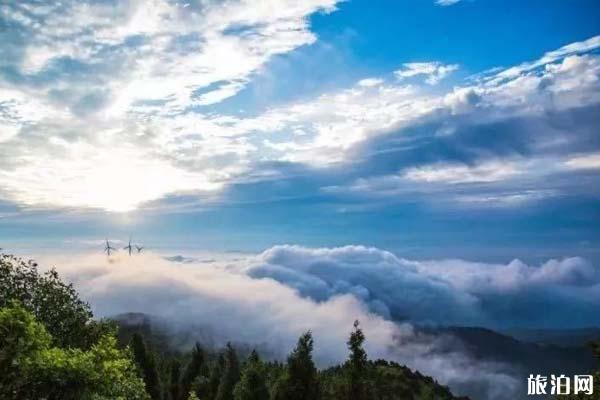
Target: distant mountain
525,356
557,337
150,327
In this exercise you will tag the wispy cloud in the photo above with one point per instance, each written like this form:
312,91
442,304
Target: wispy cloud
434,71
453,174
586,161
446,2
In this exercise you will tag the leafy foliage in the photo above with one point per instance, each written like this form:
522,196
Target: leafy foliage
55,304
31,368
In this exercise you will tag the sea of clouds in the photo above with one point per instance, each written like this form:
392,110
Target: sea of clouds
269,299
557,293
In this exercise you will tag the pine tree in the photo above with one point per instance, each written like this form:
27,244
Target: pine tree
252,384
191,372
300,382
174,382
230,376
357,365
146,362
214,378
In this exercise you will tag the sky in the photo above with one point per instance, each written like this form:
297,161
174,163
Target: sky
405,163
433,129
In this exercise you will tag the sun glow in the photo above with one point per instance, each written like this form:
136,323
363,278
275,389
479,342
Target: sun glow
116,180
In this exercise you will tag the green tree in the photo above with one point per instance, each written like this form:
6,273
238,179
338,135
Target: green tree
147,364
175,371
252,384
300,381
214,379
55,304
32,368
192,371
230,376
357,365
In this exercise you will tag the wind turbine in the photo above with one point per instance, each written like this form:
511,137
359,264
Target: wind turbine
109,248
128,247
139,248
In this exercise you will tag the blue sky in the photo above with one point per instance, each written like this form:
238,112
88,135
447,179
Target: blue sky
431,129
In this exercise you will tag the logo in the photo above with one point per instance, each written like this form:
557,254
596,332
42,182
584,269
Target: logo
560,384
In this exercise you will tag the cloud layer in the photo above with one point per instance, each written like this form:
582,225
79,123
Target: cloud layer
217,301
554,294
269,299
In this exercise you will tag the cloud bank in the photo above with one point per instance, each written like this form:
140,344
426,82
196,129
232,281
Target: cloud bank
554,294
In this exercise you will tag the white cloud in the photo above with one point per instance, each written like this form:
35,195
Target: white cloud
490,171
550,57
335,122
446,2
218,300
369,82
454,292
488,182
433,71
586,161
503,199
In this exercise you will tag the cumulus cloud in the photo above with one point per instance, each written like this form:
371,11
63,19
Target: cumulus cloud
221,300
442,291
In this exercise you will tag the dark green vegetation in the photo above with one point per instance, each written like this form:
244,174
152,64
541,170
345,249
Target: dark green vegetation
51,348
